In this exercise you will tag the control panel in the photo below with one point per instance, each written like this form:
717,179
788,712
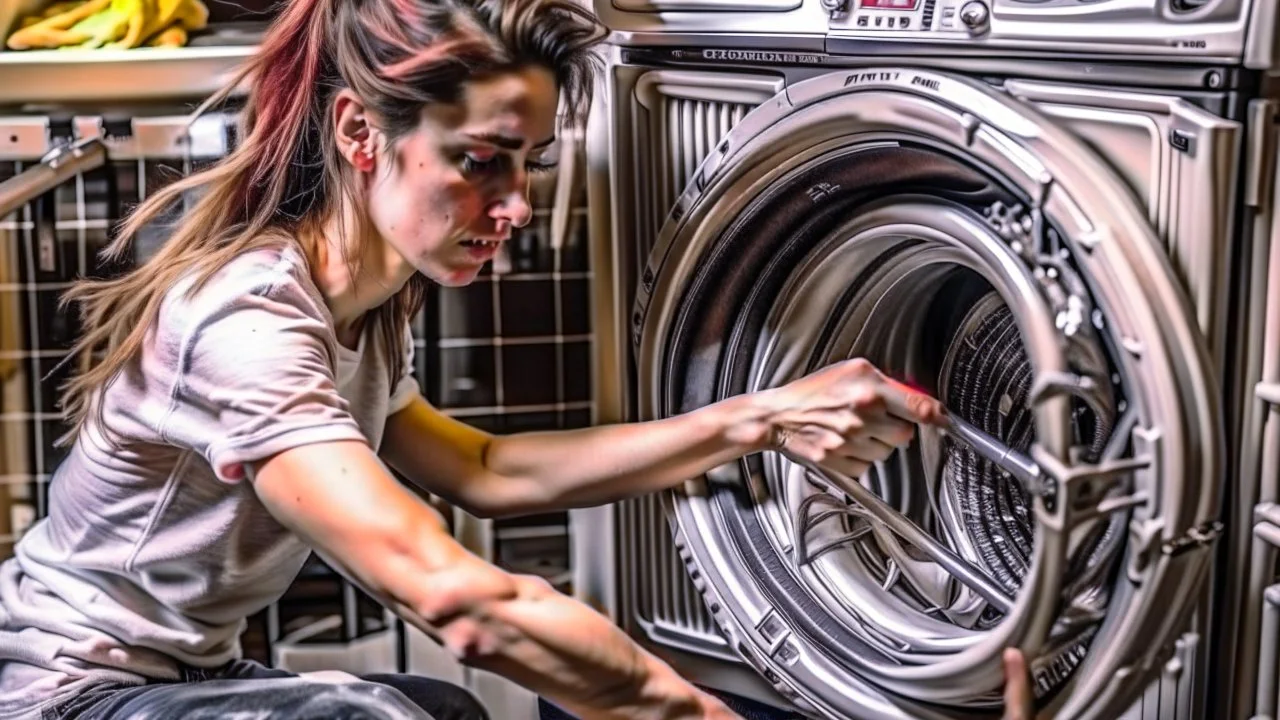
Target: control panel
972,17
886,14
1228,32
1178,30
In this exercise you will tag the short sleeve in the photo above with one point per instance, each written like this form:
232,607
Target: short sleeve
406,387
254,377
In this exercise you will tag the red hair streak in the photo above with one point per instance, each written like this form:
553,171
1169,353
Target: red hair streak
288,69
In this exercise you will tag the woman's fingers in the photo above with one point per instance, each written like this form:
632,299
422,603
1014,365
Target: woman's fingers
841,421
812,442
909,404
850,409
866,449
1019,702
847,466
888,430
868,421
848,457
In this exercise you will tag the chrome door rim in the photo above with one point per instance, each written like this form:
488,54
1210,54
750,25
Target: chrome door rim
1109,236
951,239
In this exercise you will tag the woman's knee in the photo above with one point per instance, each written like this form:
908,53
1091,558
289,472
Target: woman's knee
289,698
363,700
441,700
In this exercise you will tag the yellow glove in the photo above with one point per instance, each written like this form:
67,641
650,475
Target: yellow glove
148,17
173,36
55,9
108,24
55,30
119,24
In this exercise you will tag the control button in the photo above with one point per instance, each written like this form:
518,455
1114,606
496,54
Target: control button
1182,141
862,21
904,22
975,15
879,20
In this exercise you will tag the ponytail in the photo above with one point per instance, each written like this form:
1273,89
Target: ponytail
284,114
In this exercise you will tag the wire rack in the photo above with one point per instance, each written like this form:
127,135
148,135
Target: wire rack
509,353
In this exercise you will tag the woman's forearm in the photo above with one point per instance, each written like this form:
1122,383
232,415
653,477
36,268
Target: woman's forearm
839,416
535,471
393,546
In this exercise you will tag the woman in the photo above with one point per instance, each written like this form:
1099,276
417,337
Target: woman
240,392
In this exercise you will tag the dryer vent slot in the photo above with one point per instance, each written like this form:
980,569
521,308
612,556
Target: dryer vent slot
926,18
680,121
660,595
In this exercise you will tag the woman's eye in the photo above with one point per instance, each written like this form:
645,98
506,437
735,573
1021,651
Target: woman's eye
480,163
488,164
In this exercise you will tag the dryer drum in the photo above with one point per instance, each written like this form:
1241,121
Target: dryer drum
968,259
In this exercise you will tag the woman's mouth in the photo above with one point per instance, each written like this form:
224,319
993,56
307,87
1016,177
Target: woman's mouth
481,251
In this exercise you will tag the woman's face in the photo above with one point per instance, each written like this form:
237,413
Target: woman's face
448,194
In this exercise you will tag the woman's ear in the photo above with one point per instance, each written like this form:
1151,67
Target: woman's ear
358,140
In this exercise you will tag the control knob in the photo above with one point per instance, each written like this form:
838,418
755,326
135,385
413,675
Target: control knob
834,7
975,15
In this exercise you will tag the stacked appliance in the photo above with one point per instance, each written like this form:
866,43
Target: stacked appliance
1056,215
87,135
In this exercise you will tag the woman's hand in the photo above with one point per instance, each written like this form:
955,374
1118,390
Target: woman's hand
846,416
716,710
1018,698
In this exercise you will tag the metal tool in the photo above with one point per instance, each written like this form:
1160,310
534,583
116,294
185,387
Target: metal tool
1004,457
898,400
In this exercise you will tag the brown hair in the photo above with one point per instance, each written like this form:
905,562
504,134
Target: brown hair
285,176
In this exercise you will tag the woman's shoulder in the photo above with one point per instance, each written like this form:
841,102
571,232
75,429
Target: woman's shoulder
273,270
269,279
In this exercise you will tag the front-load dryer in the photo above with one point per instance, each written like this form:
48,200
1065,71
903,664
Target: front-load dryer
1046,244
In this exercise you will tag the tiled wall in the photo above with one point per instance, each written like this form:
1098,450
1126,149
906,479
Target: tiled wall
508,353
42,249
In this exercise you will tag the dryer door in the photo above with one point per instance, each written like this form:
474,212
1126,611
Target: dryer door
957,238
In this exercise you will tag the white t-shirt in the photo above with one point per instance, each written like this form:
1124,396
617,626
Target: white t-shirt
156,549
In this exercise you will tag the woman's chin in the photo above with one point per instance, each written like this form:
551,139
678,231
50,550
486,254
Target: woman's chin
453,274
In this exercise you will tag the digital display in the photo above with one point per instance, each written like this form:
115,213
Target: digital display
889,4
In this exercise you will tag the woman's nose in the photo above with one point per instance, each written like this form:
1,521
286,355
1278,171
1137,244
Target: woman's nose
514,208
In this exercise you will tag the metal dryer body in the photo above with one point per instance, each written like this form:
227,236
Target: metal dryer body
1056,214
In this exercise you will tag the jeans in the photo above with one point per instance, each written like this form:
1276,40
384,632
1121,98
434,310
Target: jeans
249,691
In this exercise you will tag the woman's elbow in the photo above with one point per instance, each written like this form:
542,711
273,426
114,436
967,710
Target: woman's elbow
497,498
